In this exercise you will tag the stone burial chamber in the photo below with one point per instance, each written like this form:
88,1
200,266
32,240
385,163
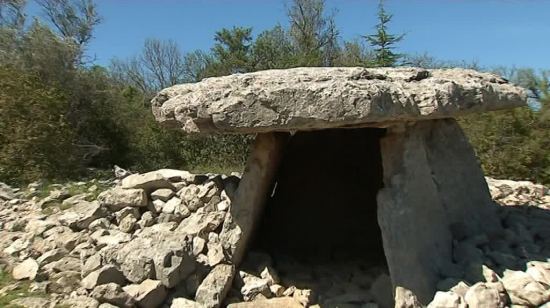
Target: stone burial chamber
355,162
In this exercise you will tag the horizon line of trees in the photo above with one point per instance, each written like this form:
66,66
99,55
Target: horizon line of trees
61,114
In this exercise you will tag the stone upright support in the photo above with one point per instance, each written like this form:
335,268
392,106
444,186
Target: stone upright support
432,184
459,179
252,193
415,232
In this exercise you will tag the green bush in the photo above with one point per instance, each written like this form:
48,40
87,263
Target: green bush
35,140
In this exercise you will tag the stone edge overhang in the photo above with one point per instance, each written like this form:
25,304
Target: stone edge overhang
187,106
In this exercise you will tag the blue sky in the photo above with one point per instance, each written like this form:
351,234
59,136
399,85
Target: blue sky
491,32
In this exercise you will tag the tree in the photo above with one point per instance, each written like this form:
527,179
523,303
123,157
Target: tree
35,138
272,49
74,20
231,51
11,14
159,65
384,42
314,34
354,54
515,143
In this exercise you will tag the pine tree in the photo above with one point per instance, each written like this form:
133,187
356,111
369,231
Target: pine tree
384,42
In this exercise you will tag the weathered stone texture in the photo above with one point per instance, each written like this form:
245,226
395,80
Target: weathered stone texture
318,98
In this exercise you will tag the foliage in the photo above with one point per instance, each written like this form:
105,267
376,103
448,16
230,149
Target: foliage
382,41
35,139
515,143
314,35
61,115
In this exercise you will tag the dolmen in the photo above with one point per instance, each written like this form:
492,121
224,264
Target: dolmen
374,152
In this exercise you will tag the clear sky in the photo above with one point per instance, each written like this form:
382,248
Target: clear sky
491,32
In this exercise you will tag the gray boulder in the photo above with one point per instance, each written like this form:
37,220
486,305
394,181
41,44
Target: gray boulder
81,215
148,294
149,182
25,270
113,294
106,274
215,286
117,198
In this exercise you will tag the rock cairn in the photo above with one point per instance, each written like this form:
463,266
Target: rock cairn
153,240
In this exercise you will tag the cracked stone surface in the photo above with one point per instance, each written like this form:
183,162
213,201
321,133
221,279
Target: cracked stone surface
320,98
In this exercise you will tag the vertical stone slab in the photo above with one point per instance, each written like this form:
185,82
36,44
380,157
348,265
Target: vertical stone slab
459,179
415,230
252,193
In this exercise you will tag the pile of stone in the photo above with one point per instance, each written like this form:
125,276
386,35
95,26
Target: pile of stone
507,193
153,240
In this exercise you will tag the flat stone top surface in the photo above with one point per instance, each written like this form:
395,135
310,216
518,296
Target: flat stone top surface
319,98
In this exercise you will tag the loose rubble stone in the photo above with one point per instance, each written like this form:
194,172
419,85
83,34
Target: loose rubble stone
406,299
163,194
81,215
185,303
482,295
215,286
524,290
113,294
118,198
148,294
25,270
149,182
51,256
80,302
287,302
104,275
448,299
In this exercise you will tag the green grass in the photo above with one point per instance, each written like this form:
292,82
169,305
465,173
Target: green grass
20,291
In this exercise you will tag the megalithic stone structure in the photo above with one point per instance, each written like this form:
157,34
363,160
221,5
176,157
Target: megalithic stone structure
433,187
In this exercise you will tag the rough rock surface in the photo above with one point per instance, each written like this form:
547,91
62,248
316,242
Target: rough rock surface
317,98
176,261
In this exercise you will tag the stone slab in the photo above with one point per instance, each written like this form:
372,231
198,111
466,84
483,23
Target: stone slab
319,98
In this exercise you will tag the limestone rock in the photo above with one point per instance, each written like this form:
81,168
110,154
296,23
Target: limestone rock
106,274
524,290
163,194
25,270
112,293
148,294
254,286
51,256
306,297
215,286
329,97
149,181
117,198
81,215
185,303
80,302
448,300
483,295
405,299
159,252
287,302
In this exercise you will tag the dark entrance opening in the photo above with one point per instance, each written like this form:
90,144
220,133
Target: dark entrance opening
323,211
324,199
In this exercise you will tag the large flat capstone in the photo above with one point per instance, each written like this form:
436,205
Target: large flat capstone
320,98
